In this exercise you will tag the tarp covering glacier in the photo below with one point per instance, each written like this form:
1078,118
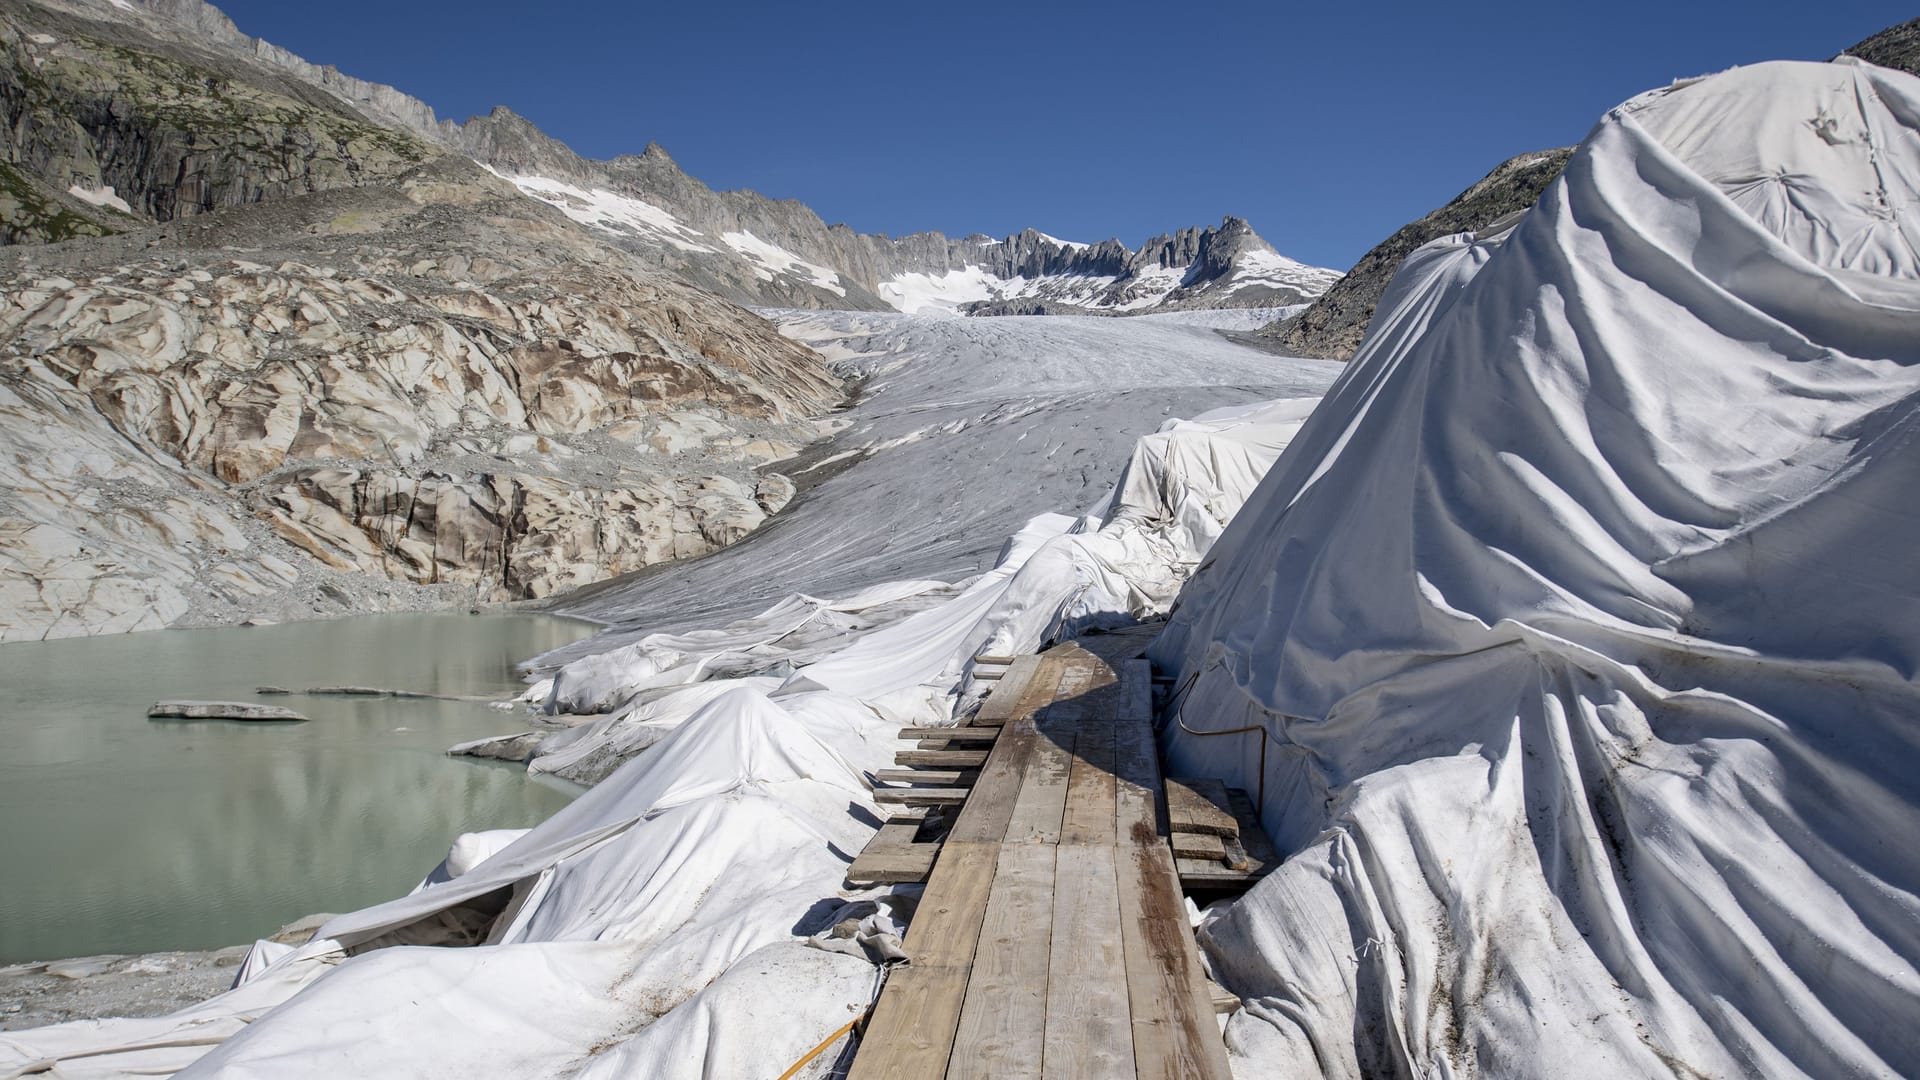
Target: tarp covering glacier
1580,625
662,925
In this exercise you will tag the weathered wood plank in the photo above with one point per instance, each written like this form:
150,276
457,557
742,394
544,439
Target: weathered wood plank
1002,1028
1224,1000
1188,845
1175,1035
1212,874
963,759
990,658
962,733
936,777
1137,808
1089,817
906,1037
1018,693
985,817
946,926
1200,805
1087,1030
922,796
1042,800
891,864
1136,691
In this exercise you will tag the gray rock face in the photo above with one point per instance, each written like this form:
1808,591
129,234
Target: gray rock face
222,710
1896,47
158,129
1333,327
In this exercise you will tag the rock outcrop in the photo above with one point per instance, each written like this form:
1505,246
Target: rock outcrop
1334,325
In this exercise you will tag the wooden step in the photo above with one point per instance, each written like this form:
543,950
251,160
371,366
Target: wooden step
1200,806
950,796
957,759
1248,855
1187,845
965,733
893,865
1224,1000
933,777
989,658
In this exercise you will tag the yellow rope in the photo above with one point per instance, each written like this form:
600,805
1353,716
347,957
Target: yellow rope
815,1052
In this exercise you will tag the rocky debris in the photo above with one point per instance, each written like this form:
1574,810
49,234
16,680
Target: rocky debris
141,984
1896,47
222,710
1333,327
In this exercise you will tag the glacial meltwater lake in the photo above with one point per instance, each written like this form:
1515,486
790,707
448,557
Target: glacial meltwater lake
123,834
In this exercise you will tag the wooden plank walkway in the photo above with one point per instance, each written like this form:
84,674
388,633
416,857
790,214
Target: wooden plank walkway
1052,940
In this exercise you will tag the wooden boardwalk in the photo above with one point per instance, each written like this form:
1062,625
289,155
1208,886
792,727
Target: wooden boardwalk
1052,940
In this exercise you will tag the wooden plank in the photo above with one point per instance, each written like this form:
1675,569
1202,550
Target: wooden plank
990,658
1089,817
1002,1028
1136,691
1224,1000
1188,845
936,777
963,733
987,675
946,926
888,864
1175,1035
905,1039
984,817
1022,691
1042,800
1200,805
1087,1030
1211,874
959,759
918,796
1137,788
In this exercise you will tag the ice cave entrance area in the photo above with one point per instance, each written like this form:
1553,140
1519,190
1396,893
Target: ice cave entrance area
126,834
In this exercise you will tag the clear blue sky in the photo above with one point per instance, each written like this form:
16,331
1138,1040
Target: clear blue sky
1327,125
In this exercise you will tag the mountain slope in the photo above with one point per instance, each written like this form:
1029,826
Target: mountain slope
1333,326
347,370
737,244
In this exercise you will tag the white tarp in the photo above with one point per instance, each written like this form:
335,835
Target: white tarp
1584,618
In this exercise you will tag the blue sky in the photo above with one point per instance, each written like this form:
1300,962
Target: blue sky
1327,125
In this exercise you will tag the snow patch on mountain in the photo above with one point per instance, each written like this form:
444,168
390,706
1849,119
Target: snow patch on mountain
609,211
774,259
